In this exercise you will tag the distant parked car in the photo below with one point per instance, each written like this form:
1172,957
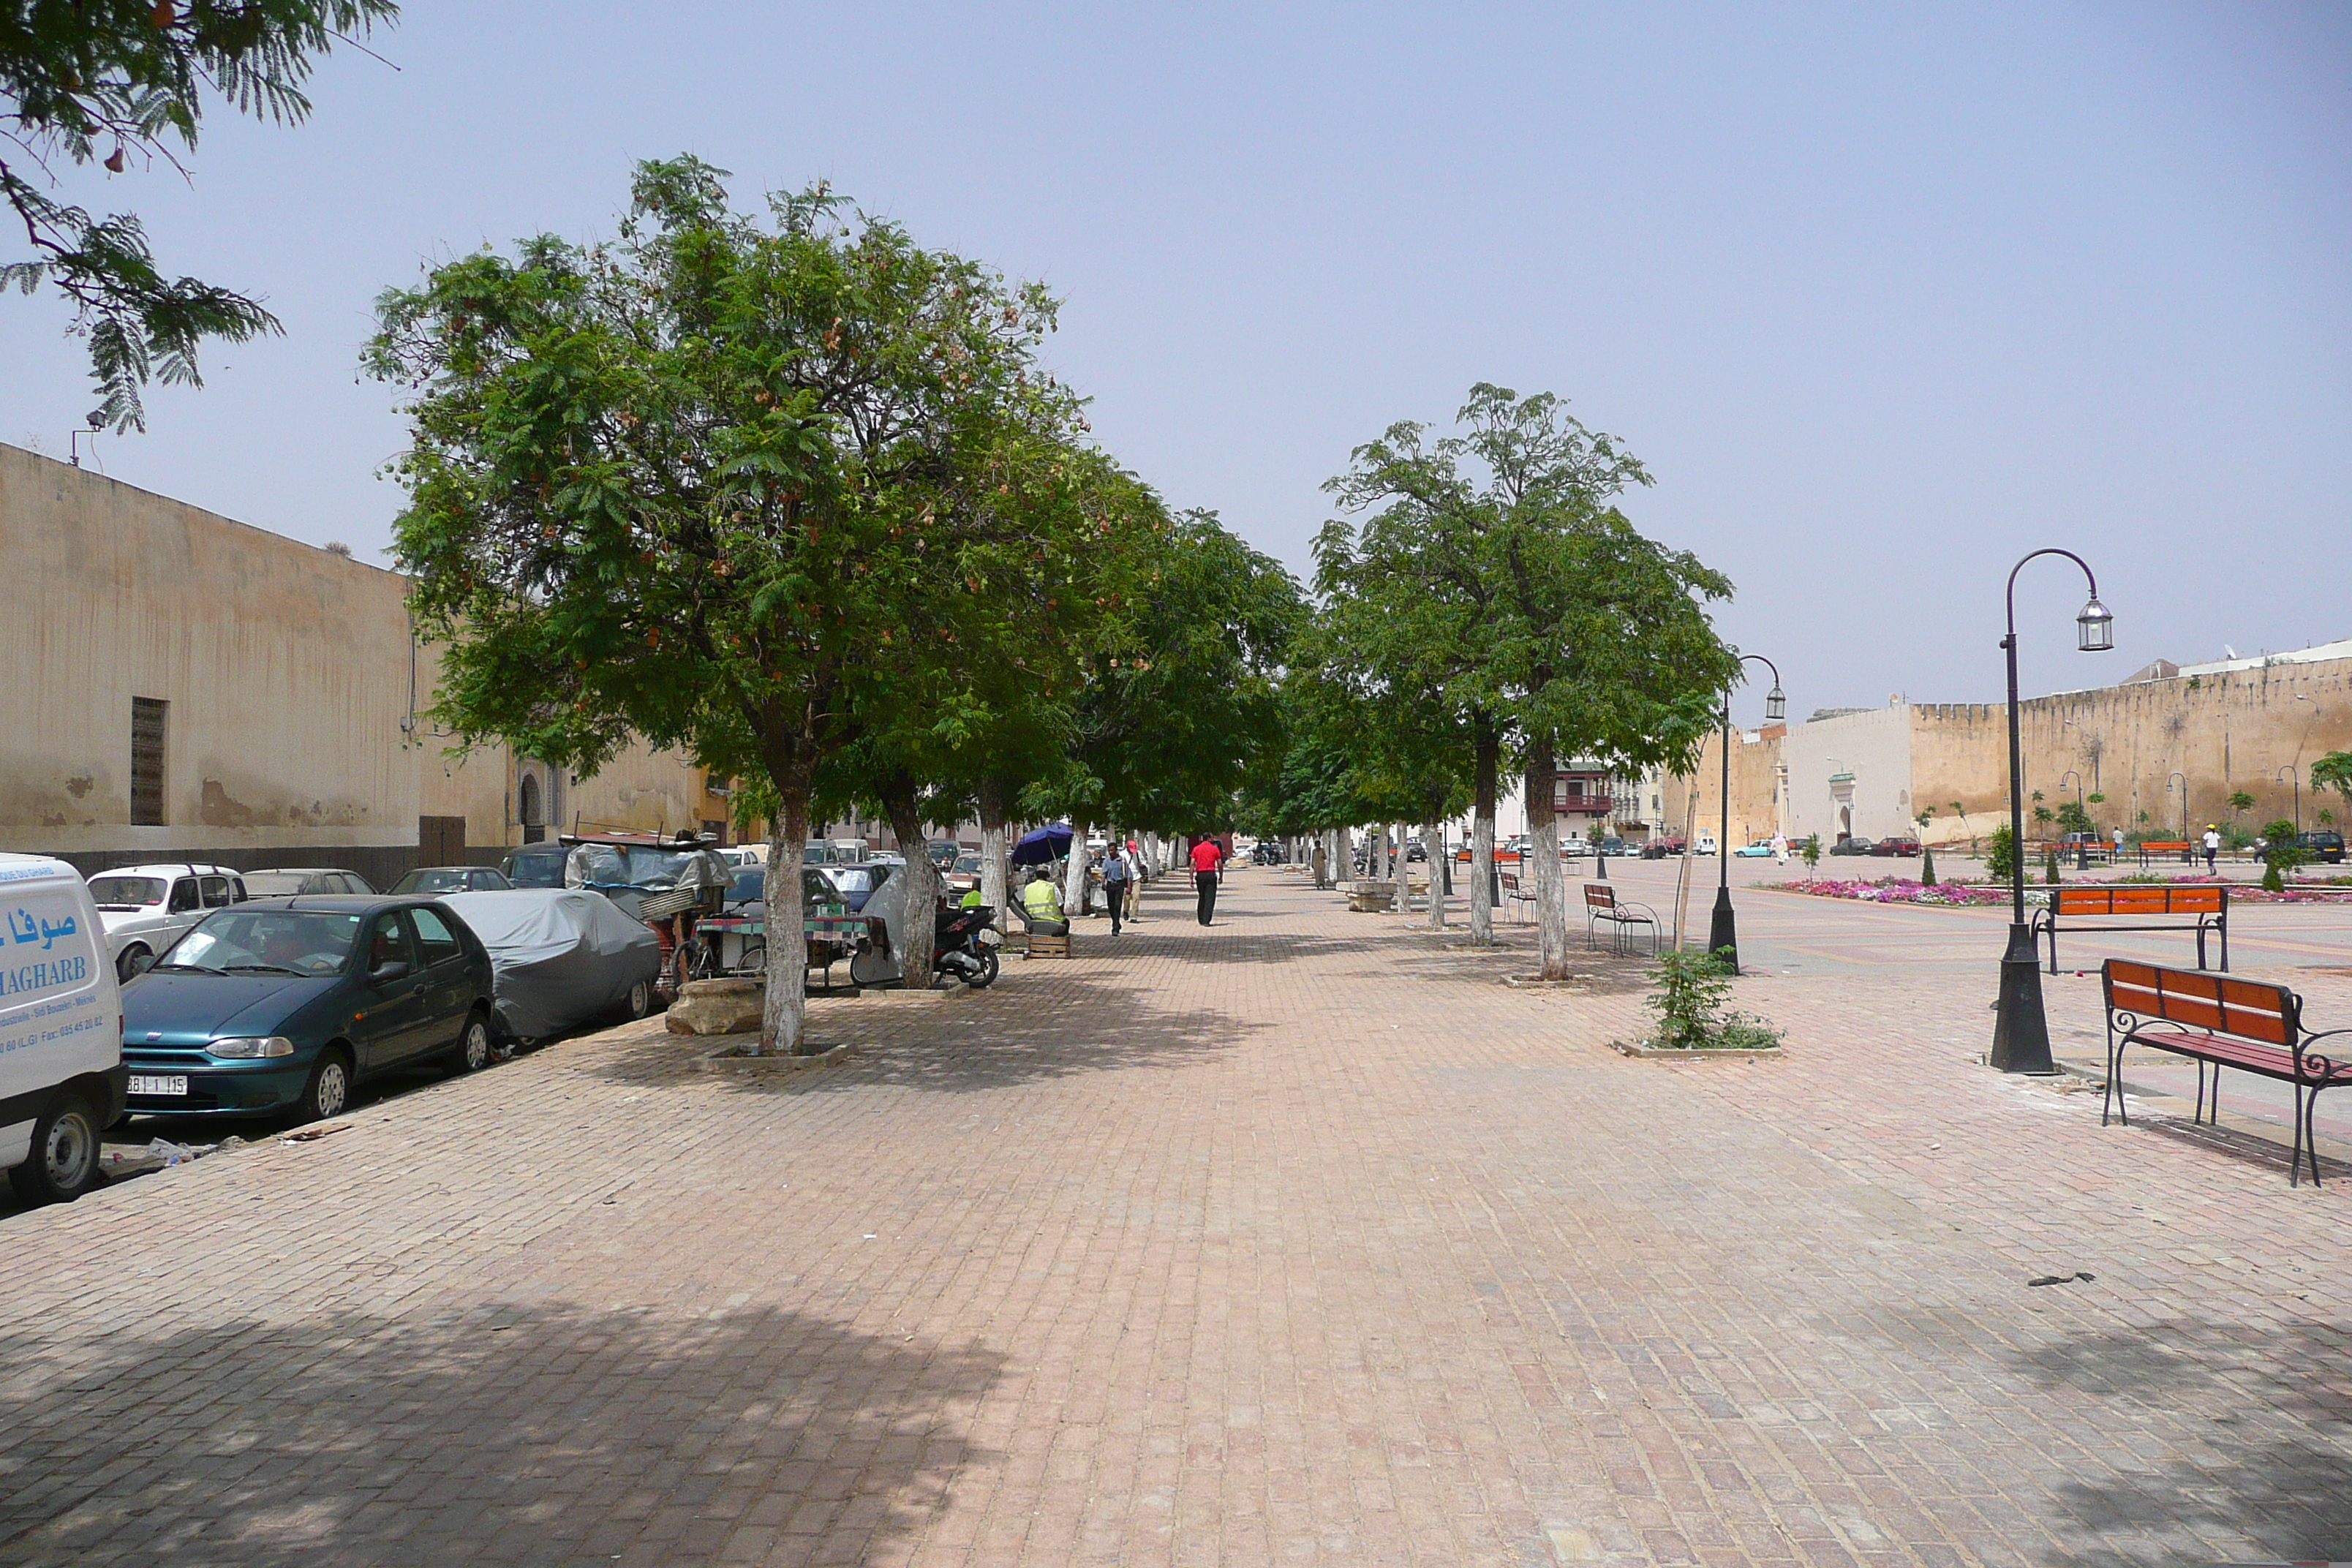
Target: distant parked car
1705,845
1659,848
453,880
286,1002
535,866
1756,849
145,908
856,884
1896,846
1851,847
964,874
2323,845
283,882
1615,845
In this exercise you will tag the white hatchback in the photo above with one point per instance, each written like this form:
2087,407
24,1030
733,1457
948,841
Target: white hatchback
145,908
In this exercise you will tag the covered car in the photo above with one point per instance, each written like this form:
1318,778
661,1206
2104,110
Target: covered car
563,957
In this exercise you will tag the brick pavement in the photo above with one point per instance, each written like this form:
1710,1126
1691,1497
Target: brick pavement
1301,1239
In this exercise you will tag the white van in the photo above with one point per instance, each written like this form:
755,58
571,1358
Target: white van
61,1073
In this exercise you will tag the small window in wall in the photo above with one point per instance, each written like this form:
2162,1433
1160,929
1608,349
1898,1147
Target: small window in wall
148,716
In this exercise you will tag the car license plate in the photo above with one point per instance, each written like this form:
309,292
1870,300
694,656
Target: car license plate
159,1083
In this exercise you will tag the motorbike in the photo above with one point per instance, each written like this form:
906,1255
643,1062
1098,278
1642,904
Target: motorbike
966,946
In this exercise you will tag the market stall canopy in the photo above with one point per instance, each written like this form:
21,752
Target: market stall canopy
1042,847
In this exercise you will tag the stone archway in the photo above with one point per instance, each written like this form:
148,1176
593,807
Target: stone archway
528,811
1845,823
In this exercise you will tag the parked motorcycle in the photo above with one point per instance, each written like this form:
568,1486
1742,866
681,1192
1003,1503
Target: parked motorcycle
966,945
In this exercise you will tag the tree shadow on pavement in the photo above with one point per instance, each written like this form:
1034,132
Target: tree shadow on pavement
2265,1409
521,1433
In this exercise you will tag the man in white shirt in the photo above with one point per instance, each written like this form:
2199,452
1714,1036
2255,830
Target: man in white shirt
2212,847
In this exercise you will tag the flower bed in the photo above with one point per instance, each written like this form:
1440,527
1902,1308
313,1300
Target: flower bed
1903,890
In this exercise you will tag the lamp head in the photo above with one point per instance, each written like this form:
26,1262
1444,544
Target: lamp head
2096,627
1776,702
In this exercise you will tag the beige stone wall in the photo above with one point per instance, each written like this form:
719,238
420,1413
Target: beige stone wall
288,669
1755,809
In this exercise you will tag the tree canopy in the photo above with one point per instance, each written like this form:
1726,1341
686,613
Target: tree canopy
108,81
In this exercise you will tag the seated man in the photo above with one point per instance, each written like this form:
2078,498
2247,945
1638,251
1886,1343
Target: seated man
1041,905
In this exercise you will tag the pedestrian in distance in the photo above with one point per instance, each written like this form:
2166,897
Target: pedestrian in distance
2212,849
1208,860
1116,875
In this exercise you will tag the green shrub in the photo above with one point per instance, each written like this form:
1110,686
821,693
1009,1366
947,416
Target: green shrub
2000,854
1926,865
2049,867
2280,831
1692,990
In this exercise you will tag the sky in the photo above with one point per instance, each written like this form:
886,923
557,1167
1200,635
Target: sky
1883,296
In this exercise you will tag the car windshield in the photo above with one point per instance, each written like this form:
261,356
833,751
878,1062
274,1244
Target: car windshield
265,942
536,871
273,884
748,886
967,863
438,879
126,892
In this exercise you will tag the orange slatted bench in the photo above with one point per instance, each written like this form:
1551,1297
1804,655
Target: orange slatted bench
2208,906
2218,1022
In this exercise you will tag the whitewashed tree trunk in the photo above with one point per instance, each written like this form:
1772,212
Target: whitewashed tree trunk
783,1005
1437,864
1543,844
993,881
1074,879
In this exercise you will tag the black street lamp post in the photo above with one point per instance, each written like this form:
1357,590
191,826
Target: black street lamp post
2082,813
2020,1034
2288,772
1723,934
2177,774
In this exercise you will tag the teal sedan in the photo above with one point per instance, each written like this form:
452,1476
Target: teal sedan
285,1003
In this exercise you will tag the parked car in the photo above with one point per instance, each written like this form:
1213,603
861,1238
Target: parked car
944,852
535,866
61,1073
1755,849
286,881
856,884
1614,845
453,880
286,1003
964,874
145,908
1707,845
562,957
744,853
1659,848
1851,846
2322,845
1897,847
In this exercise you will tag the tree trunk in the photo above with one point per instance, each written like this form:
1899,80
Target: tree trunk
1074,881
783,1009
1482,839
993,880
918,890
1543,844
1434,837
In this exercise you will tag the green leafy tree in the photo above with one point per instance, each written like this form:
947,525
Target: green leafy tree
112,82
2334,772
1811,852
1590,640
2000,853
699,485
2240,802
1926,850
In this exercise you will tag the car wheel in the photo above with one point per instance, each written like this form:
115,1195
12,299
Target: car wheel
473,1051
641,999
133,962
62,1163
329,1092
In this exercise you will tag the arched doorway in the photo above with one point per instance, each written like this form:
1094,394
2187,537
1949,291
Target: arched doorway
528,811
1845,823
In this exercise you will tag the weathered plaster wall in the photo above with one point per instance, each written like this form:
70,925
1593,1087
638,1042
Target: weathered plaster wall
287,669
1756,804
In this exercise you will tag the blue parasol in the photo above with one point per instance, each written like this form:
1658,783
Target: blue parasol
1043,847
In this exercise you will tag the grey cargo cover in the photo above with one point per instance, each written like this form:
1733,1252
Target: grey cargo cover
564,956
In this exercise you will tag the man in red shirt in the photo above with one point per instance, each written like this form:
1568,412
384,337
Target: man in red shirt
1208,860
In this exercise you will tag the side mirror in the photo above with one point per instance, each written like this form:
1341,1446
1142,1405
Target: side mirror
386,974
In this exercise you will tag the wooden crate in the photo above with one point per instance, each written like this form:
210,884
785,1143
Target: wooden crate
1048,946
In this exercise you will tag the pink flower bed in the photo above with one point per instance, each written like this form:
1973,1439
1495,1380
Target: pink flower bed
1903,890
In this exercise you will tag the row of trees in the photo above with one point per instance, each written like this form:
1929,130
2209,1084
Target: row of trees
1490,608
795,495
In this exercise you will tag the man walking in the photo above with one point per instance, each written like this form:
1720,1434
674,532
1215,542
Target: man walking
1114,873
1208,859
2212,847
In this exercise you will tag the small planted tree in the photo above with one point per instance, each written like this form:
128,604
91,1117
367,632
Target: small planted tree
1809,851
2000,854
1692,990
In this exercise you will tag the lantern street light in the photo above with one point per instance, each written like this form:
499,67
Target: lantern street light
1723,934
2020,1033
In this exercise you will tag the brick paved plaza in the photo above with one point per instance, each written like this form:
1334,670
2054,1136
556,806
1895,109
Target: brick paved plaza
1303,1239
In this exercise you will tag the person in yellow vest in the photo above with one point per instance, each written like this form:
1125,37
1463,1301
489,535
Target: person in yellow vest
1042,902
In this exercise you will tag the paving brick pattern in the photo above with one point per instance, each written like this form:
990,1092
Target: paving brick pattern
1302,1239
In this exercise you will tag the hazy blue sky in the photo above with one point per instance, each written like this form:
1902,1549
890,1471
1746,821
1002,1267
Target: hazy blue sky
1885,296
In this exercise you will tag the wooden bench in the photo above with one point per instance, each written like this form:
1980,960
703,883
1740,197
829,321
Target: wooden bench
1601,906
1516,892
2166,848
2218,1022
2210,906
